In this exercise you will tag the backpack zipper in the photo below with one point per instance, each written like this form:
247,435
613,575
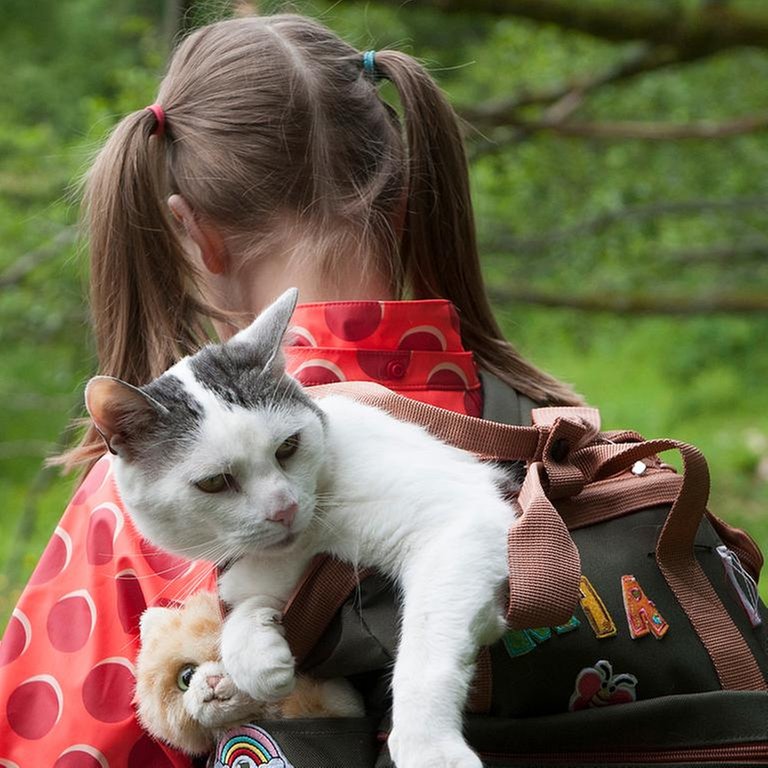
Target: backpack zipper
756,754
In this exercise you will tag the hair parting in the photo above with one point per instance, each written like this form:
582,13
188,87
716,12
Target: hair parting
270,125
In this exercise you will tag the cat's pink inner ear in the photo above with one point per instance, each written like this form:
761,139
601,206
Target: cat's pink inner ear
115,407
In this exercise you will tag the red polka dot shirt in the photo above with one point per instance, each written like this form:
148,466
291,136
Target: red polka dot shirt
67,656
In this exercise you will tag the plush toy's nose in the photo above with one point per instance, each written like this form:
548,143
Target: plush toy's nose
213,681
285,515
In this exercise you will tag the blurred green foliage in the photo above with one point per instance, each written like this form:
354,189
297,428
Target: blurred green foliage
69,70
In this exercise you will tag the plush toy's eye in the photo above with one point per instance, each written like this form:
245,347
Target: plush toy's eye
184,678
217,483
288,447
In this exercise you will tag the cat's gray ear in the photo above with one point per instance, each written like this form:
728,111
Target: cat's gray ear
119,410
267,330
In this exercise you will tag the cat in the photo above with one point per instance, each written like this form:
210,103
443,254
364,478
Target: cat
184,696
225,457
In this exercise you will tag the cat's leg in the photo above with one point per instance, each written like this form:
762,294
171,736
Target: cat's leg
254,650
452,606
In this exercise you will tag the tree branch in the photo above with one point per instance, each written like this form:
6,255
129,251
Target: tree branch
597,224
704,31
494,114
634,305
645,131
719,253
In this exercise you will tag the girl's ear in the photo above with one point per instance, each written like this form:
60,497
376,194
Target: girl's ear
213,247
119,411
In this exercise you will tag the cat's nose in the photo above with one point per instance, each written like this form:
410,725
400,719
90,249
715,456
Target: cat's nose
213,681
285,515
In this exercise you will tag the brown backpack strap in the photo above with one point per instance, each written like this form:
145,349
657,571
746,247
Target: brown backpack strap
544,564
481,691
486,439
324,588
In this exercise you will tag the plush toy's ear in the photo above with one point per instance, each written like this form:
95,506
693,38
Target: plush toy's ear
203,605
119,410
267,330
152,620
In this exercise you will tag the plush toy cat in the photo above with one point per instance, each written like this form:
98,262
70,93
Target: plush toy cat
225,457
185,697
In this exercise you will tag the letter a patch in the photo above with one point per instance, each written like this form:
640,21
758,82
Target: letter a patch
642,615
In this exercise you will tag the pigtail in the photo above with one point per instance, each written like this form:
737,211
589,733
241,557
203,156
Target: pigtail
142,285
440,255
267,117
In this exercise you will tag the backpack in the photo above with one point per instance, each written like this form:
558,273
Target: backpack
636,636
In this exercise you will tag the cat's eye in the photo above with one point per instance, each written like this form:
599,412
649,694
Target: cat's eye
288,447
184,678
217,483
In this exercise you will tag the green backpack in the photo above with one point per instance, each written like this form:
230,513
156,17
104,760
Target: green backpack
636,636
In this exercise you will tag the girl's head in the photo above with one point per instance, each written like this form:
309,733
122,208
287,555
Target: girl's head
278,149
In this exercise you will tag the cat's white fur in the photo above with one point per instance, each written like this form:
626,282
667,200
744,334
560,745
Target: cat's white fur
370,490
428,516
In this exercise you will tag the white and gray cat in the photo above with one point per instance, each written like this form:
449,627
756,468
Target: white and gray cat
225,457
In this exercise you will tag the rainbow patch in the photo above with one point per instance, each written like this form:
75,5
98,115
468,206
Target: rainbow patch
248,746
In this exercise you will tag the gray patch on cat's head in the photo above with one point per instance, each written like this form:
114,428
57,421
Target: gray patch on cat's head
249,370
241,375
174,425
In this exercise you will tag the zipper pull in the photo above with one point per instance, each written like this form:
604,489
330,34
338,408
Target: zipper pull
743,583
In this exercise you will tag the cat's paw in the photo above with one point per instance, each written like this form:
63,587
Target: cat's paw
266,676
258,660
414,751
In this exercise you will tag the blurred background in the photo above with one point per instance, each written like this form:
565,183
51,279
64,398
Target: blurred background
619,153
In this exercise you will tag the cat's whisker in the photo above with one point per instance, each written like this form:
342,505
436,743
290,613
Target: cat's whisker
336,503
326,525
205,552
195,586
207,556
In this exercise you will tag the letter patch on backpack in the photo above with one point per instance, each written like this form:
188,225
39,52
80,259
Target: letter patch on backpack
594,609
249,746
642,615
518,642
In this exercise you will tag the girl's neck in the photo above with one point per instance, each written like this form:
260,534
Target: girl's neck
256,283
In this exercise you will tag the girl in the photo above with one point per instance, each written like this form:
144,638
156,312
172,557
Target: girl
268,161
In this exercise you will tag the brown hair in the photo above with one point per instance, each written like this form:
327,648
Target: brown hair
268,117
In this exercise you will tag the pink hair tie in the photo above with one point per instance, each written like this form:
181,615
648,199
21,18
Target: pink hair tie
159,114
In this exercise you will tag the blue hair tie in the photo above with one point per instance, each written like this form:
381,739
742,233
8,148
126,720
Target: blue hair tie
369,62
